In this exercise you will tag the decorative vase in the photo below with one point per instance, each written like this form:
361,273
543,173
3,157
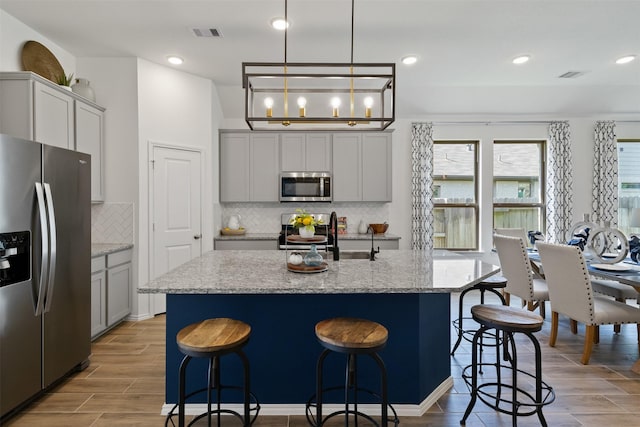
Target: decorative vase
82,88
313,258
362,228
307,231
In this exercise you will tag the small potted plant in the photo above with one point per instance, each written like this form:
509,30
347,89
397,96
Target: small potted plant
305,223
65,81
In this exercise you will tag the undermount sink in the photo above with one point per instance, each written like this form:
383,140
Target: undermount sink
354,255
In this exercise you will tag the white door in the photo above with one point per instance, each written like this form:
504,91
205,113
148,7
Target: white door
176,212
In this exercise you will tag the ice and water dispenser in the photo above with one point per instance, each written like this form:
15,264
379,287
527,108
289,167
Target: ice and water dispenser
15,257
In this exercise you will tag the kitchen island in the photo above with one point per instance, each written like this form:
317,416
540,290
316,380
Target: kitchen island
407,291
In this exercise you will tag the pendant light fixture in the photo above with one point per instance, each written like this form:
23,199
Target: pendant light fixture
319,91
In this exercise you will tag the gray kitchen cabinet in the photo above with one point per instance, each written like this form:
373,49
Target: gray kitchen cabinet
98,296
90,139
118,286
111,278
362,167
249,167
309,152
32,107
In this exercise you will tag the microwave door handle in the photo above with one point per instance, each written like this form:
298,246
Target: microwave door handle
44,259
321,187
52,237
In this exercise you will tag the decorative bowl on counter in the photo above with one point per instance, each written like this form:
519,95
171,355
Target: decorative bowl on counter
379,228
231,232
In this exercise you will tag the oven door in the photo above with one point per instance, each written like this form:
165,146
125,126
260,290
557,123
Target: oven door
305,187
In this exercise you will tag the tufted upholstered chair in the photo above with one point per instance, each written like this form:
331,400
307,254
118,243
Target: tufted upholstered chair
516,268
513,232
571,294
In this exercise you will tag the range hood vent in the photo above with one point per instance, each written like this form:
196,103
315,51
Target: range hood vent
206,32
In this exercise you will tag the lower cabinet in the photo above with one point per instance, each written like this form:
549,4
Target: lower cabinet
111,277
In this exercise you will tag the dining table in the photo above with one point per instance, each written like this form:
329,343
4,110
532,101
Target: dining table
626,272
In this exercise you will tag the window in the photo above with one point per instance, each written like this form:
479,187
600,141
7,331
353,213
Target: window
455,194
518,185
628,183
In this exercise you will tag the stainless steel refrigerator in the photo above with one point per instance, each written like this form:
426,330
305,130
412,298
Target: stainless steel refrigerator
45,273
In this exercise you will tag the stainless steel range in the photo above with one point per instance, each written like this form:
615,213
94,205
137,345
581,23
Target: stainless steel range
321,230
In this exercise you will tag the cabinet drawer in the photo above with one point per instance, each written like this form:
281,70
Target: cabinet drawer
98,264
118,258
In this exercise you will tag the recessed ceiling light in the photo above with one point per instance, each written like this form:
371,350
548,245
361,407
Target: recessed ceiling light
521,59
409,59
625,59
175,60
279,24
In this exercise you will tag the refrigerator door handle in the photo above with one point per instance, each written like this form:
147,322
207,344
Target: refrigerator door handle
44,235
52,238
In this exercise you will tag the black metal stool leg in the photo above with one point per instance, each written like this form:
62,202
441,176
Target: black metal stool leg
474,374
538,354
460,328
247,387
181,390
384,422
319,386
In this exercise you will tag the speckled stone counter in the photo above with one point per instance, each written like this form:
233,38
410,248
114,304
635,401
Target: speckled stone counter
406,291
258,272
100,249
249,236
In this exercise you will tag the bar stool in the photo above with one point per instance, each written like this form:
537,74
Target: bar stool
211,339
490,284
352,337
521,402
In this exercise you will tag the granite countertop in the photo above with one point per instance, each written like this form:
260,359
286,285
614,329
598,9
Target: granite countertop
274,236
100,249
265,272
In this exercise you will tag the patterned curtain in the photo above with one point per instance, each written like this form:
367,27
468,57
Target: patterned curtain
559,182
422,186
605,174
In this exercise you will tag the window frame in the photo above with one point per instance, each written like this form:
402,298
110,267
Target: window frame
476,191
542,204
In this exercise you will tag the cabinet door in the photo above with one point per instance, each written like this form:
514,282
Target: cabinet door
265,167
292,152
376,167
318,152
98,302
53,117
118,293
347,168
234,167
89,139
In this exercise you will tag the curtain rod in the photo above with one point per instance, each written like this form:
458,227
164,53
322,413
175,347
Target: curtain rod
503,122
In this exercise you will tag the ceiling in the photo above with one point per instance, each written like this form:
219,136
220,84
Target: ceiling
465,47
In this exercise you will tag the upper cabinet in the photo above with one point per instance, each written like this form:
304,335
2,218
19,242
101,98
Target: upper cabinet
249,167
305,152
89,139
32,107
250,163
362,167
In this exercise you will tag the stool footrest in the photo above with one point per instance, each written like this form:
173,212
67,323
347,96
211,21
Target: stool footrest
311,405
494,399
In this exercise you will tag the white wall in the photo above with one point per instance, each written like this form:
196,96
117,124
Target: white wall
174,108
13,35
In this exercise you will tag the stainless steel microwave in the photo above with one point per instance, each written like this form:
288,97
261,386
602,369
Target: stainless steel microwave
305,187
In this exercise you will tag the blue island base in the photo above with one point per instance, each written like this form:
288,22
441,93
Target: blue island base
283,348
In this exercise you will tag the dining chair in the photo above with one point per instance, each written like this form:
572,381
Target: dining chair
512,232
515,266
571,294
619,291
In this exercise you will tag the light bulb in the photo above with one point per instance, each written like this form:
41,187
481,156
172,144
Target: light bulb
368,103
268,103
302,102
335,103
175,60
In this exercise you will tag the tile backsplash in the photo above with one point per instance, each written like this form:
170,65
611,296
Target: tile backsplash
112,223
265,217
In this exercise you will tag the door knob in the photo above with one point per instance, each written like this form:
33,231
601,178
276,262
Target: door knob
197,236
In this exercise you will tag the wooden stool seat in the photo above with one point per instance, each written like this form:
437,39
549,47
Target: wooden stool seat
212,336
351,333
506,318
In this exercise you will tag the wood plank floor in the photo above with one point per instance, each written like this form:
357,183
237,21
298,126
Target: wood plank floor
124,385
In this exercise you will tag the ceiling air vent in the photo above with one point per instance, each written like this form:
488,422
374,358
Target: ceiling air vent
206,32
571,74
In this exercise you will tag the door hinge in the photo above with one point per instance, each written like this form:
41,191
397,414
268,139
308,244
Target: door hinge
153,227
153,164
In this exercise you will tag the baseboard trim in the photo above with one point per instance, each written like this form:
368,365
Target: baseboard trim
403,410
138,317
